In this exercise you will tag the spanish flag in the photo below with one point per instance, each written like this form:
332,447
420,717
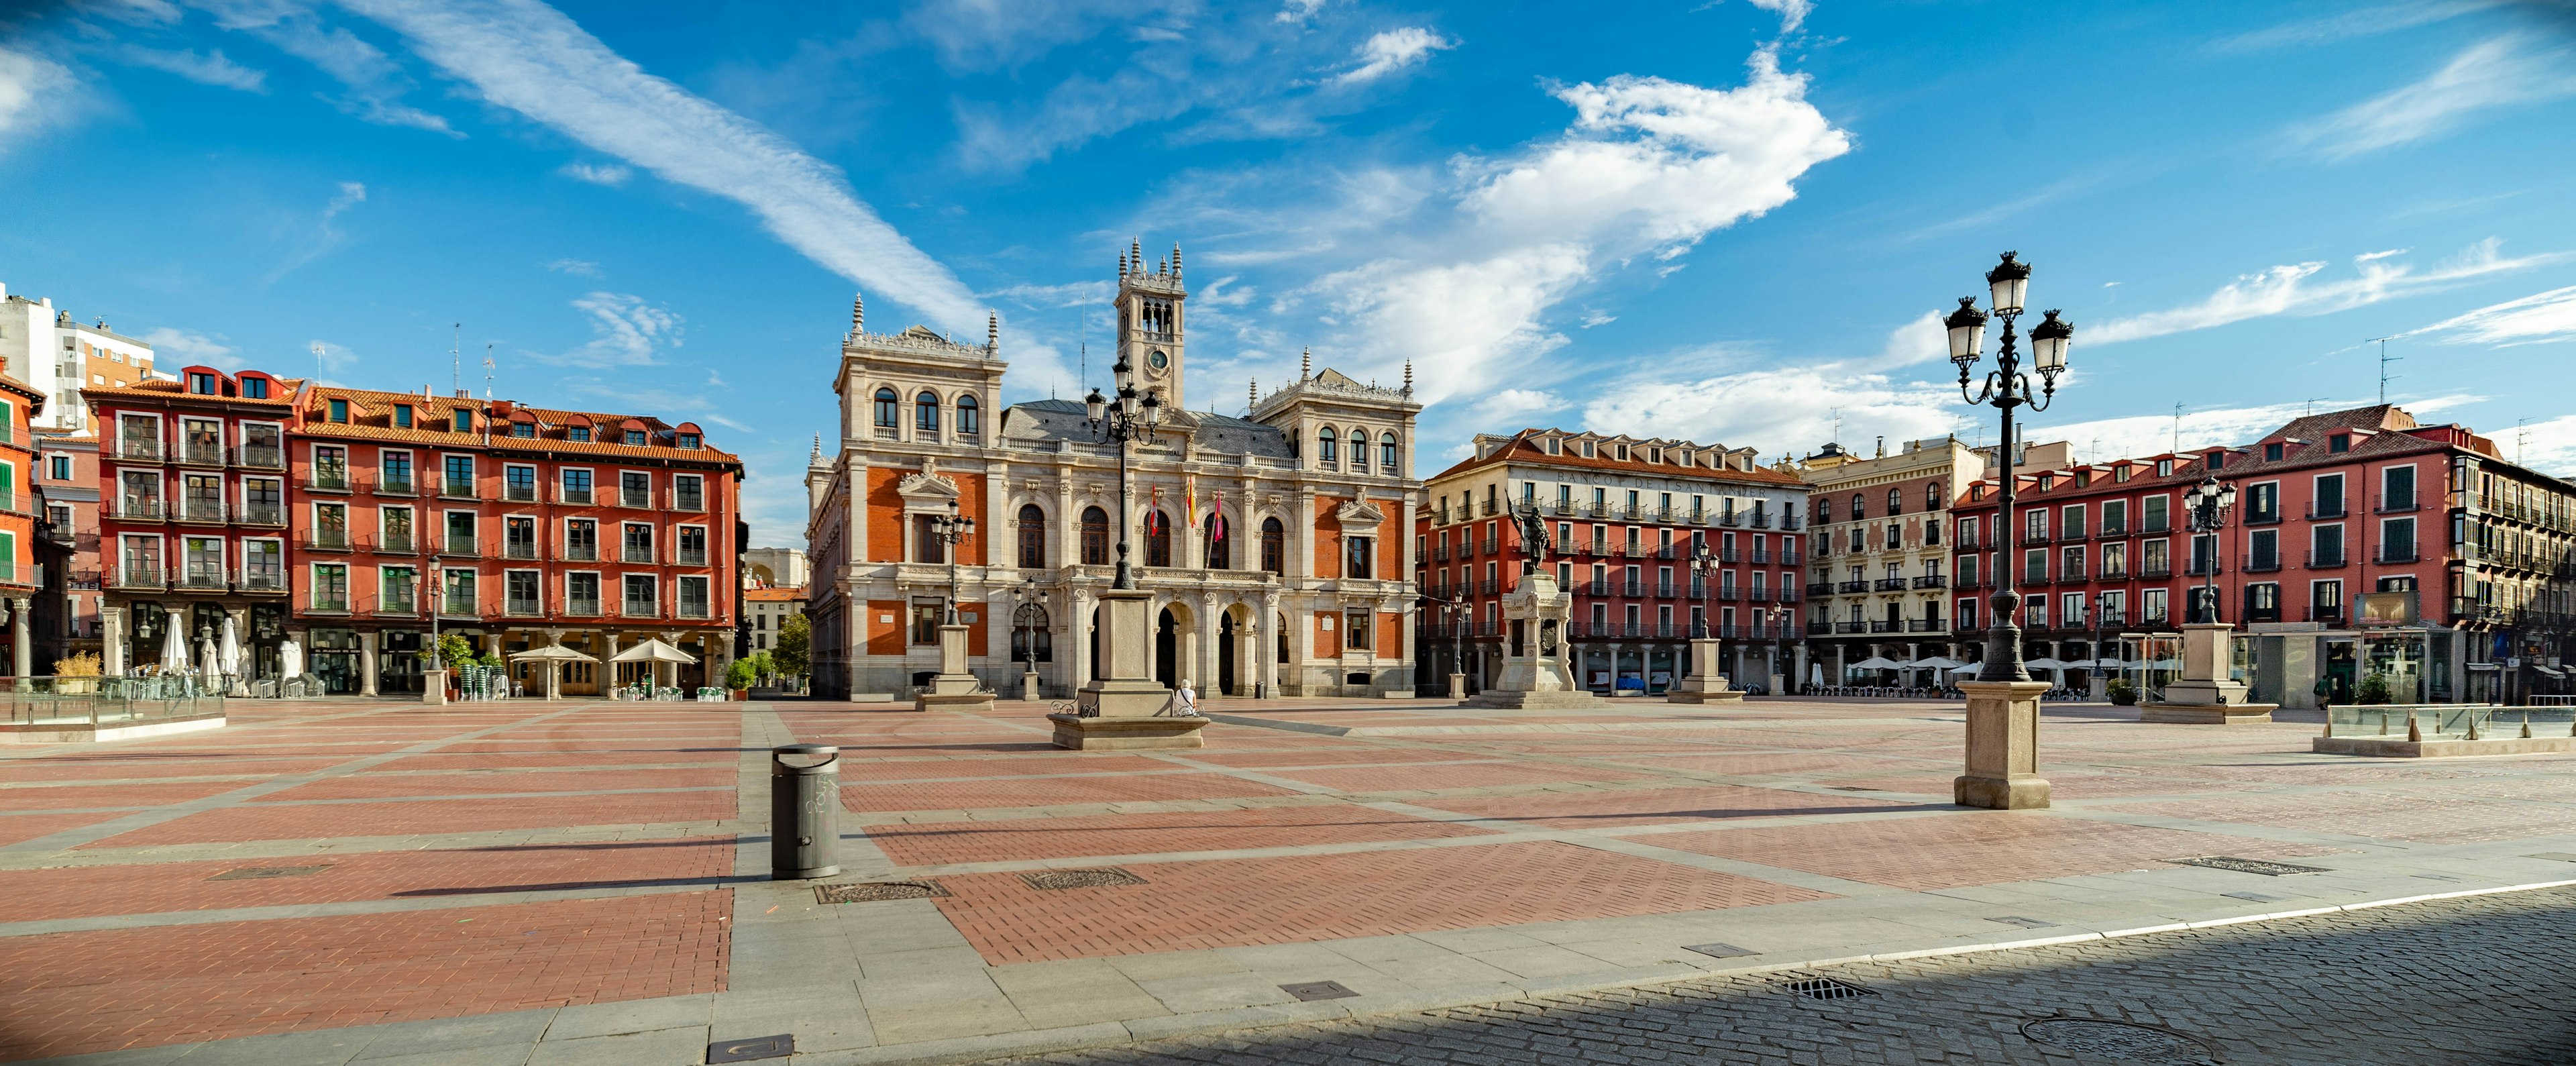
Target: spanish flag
1154,511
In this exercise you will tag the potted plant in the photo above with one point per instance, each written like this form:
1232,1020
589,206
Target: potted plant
2122,693
77,673
2374,690
738,678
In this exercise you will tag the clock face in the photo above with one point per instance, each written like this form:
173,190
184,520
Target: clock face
1158,360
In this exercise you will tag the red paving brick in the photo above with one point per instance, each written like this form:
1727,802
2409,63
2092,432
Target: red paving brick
935,769
1242,902
75,993
279,821
604,756
1972,848
2429,819
1327,757
1767,763
61,797
936,843
389,785
153,888
1655,806
29,770
1048,792
16,828
1453,775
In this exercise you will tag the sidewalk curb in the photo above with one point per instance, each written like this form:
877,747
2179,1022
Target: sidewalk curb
1113,1034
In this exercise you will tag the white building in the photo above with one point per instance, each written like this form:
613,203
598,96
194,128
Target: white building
42,346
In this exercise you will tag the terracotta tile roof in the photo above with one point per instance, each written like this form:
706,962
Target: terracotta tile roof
1521,449
2380,431
774,595
371,418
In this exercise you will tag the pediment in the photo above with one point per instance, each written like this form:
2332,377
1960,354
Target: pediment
927,488
1359,514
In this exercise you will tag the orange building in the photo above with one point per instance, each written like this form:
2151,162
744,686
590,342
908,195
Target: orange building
21,580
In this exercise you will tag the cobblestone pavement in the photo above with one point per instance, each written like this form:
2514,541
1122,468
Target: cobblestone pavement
2482,980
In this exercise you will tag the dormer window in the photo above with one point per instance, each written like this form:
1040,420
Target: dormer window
2164,468
2121,472
634,438
1552,446
577,434
1587,450
1623,453
2272,452
402,416
2217,460
1654,455
688,440
464,421
254,388
201,384
523,429
2340,442
340,411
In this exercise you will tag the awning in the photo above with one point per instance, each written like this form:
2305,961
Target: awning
2046,663
2547,672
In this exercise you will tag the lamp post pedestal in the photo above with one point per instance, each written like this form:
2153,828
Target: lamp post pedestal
2003,747
1029,685
1125,708
954,687
1706,683
1457,686
2205,695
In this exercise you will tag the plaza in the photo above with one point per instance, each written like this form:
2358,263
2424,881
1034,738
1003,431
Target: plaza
530,882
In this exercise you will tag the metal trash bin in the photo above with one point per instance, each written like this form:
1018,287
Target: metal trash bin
804,812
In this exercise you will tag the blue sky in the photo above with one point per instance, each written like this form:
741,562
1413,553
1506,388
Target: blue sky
1719,220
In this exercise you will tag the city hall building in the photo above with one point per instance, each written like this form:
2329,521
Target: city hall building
1275,544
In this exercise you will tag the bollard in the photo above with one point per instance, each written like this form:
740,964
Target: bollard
804,812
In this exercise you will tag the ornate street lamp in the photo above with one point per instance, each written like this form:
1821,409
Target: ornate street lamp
2007,387
2205,508
1126,421
950,530
1703,564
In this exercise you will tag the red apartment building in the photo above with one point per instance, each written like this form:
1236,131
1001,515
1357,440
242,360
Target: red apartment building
522,526
1627,516
2360,542
66,480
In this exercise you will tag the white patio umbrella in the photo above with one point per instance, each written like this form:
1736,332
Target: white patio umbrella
1939,662
652,650
290,657
2045,663
206,656
174,648
553,656
1816,674
228,654
1878,662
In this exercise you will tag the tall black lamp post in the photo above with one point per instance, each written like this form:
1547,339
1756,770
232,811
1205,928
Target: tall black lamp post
1125,421
2205,508
2006,388
951,529
1703,564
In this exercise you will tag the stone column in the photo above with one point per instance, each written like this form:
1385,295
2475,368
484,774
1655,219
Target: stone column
1080,640
22,651
367,663
1205,678
1266,629
1301,647
608,668
111,633
2003,747
1126,708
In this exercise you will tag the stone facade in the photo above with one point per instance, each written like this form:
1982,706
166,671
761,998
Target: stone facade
1268,542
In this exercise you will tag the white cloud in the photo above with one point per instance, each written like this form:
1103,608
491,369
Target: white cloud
2498,72
2540,318
629,330
1792,407
610,174
2290,289
577,267
209,68
2133,436
1793,13
1510,404
332,358
179,347
1595,317
1296,12
525,56
2347,25
1390,51
326,234
375,83
2549,447
24,79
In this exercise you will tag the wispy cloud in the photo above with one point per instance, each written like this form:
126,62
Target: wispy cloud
2296,289
2499,72
576,267
326,234
1296,12
180,347
375,84
331,357
2348,25
525,56
210,67
627,330
627,397
25,77
1793,13
611,174
1391,51
1796,405
2540,318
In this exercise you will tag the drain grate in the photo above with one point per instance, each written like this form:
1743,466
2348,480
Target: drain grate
1719,951
1825,988
1051,880
2126,1041
878,891
2026,923
1310,991
254,873
2248,866
1851,788
752,1049
2253,897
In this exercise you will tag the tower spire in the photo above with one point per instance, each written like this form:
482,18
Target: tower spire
1122,266
992,331
1306,365
858,314
1251,395
1176,260
1408,377
1136,252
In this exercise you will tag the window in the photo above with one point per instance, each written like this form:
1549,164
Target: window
402,416
523,428
2272,452
1932,496
1327,450
1895,501
2339,443
1095,537
2325,601
1219,547
2263,502
581,540
2071,521
642,592
460,533
397,588
1860,506
576,486
201,384
330,525
2151,605
1386,452
690,440
1158,538
2115,516
1274,546
1360,454
577,434
2325,546
462,421
2397,488
925,412
1356,628
456,595
638,543
2154,559
1032,537
1359,556
2164,467
2263,550
692,546
969,419
886,403
634,488
254,388
2397,540
519,483
519,592
688,492
62,467
2154,514
397,529
456,476
692,589
519,538
2329,497
1824,509
264,565
2263,602
635,438
2115,562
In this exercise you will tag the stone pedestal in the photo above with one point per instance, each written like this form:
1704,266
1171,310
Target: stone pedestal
1705,684
2003,747
954,688
1124,708
1534,671
2204,695
1029,686
433,686
1457,686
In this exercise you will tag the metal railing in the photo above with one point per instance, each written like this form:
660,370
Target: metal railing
518,493
459,545
260,456
143,450
517,549
579,553
327,479
459,490
263,514
2399,504
396,486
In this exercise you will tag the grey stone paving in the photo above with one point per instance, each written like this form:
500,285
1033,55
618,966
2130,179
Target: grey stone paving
2478,980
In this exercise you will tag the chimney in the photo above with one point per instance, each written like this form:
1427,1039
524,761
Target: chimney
465,394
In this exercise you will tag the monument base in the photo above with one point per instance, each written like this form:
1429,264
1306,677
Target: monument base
2206,713
2003,747
2017,792
954,692
1557,699
433,687
1127,734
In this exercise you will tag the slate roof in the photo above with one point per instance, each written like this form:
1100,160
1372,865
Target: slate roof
1523,449
1052,420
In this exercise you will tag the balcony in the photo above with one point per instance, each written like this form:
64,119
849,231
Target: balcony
2155,571
1884,626
1493,545
644,500
1931,581
580,553
458,606
519,549
515,607
133,576
399,605
203,578
2262,564
328,540
1790,558
390,485
1667,591
321,602
132,508
264,580
2326,509
263,514
1761,520
459,490
1852,586
196,451
688,501
1819,629
2111,619
1440,554
692,610
577,497
1729,593
460,546
582,606
203,512
1851,627
1596,588
2034,578
1492,586
638,608
2071,573
2400,503
2262,518
2329,614
1761,557
1633,589
518,494
1888,584
1922,625
2397,554
328,479
148,451
1820,588
1728,555
2111,532
2201,568
398,543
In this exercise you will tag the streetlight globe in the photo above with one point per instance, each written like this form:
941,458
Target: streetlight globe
2049,341
1096,405
1967,327
2007,282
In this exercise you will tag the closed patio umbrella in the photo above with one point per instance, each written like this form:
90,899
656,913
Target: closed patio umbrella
228,654
174,649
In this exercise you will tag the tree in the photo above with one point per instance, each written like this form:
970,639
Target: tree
739,675
795,639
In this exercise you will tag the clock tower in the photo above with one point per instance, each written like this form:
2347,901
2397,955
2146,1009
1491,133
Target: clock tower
1149,321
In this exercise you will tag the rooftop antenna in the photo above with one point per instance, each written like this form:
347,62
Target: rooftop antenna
2384,360
2312,403
456,362
317,361
2520,435
488,366
2177,432
1838,424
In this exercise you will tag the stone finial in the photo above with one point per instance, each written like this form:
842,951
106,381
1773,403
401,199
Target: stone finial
1251,394
859,313
1176,260
992,331
1408,377
1306,365
1122,266
1136,253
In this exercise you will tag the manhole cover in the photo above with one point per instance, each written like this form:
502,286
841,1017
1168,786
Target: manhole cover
2247,866
252,873
2117,1040
877,891
1719,951
1310,991
753,1049
1056,879
1825,988
2026,923
2253,897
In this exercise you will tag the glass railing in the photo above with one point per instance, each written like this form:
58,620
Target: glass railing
2451,721
108,701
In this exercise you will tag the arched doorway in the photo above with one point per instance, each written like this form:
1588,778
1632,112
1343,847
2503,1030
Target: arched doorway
1167,649
1225,643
